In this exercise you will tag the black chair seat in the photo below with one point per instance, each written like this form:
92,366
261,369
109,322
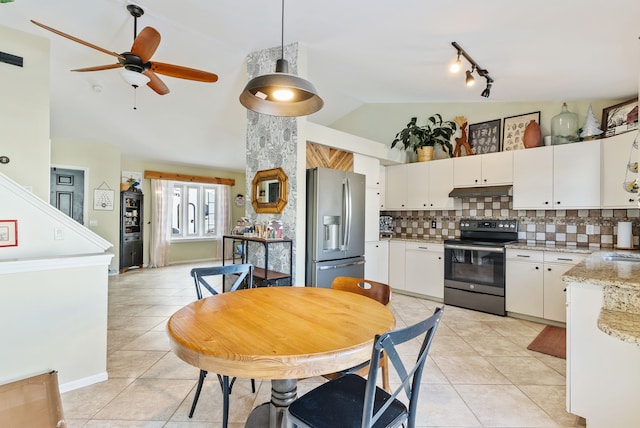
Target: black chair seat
339,403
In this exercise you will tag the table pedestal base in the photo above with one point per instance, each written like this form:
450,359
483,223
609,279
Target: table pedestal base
273,414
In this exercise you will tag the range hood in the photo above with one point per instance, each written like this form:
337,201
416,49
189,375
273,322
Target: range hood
466,192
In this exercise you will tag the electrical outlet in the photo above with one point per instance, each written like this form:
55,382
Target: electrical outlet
591,229
433,224
58,233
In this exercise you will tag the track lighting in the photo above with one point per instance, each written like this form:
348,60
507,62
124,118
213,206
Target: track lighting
470,80
281,93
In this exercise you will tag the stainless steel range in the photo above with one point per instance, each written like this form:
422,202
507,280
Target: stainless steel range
474,265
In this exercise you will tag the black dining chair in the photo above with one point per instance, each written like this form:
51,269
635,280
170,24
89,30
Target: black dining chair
202,277
352,402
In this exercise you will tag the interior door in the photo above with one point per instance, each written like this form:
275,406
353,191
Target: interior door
67,192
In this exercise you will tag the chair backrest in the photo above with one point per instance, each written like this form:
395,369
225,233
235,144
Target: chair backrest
410,377
200,276
375,290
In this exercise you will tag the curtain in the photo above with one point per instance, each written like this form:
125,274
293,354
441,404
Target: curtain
225,219
161,192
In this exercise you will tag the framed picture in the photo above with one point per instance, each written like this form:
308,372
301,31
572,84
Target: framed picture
103,199
513,130
8,233
485,137
620,118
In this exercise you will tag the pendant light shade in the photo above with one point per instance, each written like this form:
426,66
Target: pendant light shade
281,93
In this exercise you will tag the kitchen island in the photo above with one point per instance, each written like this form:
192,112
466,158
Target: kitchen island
603,339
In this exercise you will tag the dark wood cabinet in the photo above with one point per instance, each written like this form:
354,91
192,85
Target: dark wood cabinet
130,230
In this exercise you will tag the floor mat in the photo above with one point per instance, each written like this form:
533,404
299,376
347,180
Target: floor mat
552,341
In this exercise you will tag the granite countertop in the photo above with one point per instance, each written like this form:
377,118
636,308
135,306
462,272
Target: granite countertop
523,245
620,279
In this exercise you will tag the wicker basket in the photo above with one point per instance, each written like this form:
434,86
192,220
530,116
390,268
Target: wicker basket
425,153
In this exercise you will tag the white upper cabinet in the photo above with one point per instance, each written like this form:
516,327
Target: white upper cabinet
368,166
616,154
483,170
576,175
441,184
420,186
533,178
383,187
396,187
557,177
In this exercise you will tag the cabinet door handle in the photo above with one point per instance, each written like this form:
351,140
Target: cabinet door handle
537,267
558,202
565,259
631,200
423,248
439,258
485,180
549,269
523,255
546,202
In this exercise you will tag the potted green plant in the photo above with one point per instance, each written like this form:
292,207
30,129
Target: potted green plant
423,139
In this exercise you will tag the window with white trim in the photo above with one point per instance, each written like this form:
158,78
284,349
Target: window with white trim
196,210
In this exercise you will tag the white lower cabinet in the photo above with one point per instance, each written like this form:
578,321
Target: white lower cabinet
376,254
424,268
524,293
534,283
417,267
396,264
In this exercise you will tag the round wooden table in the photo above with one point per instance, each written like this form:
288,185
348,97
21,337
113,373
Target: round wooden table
278,333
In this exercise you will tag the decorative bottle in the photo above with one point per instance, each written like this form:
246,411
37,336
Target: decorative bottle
564,127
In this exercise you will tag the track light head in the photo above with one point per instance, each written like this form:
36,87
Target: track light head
456,65
470,81
487,89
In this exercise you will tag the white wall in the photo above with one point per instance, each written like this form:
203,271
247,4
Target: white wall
24,111
53,314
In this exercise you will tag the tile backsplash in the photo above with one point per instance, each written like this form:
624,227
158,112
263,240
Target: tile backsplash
595,228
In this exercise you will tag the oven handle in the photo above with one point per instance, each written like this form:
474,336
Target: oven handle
474,248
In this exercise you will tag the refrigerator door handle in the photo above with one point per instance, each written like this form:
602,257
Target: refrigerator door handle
344,265
346,206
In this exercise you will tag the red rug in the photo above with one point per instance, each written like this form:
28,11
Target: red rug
551,341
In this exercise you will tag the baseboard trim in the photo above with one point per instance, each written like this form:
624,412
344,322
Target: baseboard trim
81,383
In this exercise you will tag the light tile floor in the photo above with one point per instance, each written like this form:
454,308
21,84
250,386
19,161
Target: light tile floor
478,374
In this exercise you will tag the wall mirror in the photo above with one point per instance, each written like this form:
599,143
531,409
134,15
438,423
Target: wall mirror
269,191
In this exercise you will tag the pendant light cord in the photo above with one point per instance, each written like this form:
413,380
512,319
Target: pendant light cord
282,34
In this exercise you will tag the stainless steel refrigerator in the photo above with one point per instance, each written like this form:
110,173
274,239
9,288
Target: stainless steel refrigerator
335,225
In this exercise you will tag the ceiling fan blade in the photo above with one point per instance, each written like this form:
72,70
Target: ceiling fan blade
99,67
146,43
75,39
156,83
183,72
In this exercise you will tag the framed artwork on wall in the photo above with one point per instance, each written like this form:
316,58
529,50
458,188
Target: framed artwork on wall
8,233
485,137
620,118
513,130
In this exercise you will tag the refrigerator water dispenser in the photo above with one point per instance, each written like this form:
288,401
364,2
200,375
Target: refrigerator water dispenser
331,225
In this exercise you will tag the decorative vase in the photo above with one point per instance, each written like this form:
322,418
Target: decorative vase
532,135
425,153
124,187
564,127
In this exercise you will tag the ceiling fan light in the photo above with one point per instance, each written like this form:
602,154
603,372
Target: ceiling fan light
134,78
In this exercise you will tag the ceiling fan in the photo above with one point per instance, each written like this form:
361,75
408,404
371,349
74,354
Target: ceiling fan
138,60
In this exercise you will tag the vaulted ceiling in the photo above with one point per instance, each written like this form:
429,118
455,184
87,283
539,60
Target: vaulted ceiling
359,51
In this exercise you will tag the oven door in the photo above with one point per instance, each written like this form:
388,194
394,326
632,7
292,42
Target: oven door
475,268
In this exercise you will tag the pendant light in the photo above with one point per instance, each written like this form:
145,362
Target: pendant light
281,93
